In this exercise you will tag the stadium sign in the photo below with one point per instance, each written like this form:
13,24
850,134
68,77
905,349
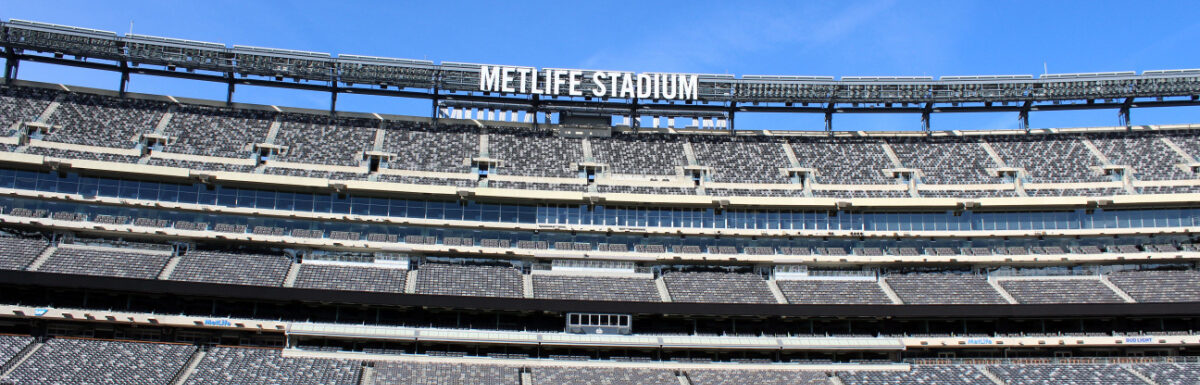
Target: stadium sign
554,82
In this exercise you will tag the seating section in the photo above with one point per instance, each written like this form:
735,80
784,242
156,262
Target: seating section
757,377
17,253
844,161
1048,158
943,289
351,278
213,131
536,186
105,121
525,151
111,262
246,366
1150,158
445,374
608,376
1030,374
726,192
232,268
711,287
307,138
657,154
1169,189
1060,291
1159,286
63,361
469,280
968,193
861,194
71,154
427,180
1170,374
423,147
621,189
22,104
742,159
594,288
335,175
833,292
10,346
920,374
945,160
200,165
1187,141
1097,192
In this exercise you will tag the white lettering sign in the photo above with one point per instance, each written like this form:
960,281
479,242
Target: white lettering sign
528,80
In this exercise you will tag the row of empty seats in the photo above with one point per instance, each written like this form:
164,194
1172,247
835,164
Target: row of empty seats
63,361
232,268
110,121
248,366
506,281
112,262
351,278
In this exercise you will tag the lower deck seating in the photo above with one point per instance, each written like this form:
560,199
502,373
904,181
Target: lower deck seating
711,287
111,262
1171,374
920,374
351,278
468,280
757,377
10,346
608,376
62,361
445,374
232,268
1060,291
247,366
1032,374
595,288
833,292
17,253
1159,286
72,361
944,289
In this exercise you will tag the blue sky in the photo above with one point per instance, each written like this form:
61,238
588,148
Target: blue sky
867,38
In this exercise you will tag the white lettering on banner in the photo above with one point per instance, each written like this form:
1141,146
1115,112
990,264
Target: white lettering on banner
645,84
489,80
573,83
528,80
600,89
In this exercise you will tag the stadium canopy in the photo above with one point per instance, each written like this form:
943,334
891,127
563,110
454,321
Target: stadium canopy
460,83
